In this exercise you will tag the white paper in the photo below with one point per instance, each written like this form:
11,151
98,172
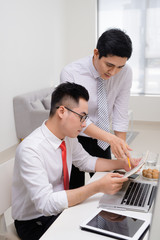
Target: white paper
141,163
134,170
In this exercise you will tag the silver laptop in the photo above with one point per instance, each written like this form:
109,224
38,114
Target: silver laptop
134,195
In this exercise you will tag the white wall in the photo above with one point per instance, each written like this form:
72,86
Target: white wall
31,53
37,38
81,28
145,108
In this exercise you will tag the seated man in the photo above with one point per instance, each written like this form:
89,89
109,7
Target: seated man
41,176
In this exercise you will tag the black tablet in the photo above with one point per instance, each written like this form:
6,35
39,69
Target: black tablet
118,224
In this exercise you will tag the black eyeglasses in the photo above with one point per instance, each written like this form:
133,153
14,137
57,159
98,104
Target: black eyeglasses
82,117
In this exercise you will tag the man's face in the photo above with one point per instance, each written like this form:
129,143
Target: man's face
73,124
108,66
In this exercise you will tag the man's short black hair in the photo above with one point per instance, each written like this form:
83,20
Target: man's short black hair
67,94
114,42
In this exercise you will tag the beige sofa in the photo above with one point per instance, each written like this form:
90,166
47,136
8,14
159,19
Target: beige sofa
30,110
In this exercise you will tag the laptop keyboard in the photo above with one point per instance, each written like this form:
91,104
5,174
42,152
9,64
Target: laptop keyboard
136,194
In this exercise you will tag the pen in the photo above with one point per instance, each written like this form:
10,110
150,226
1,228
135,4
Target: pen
129,162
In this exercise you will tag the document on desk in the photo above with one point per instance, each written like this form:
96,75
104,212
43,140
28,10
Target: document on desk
138,167
134,170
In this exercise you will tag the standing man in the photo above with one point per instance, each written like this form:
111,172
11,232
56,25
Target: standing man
44,160
108,80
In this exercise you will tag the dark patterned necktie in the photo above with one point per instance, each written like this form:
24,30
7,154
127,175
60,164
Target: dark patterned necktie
103,118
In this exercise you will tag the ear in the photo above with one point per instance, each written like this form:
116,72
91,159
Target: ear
61,111
96,53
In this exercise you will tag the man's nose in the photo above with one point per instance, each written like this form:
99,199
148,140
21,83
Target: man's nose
83,124
113,70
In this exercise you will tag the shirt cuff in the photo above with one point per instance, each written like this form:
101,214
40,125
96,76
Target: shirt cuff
57,203
120,128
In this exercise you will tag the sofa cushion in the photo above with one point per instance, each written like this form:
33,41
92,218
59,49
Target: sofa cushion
37,105
47,102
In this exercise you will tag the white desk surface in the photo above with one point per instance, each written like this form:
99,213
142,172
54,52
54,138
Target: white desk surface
67,224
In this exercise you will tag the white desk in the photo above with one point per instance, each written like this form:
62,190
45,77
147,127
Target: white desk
67,224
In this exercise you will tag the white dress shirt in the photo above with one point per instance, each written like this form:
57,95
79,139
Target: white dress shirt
38,175
118,87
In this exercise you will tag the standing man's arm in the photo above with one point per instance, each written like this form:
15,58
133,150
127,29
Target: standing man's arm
118,145
121,135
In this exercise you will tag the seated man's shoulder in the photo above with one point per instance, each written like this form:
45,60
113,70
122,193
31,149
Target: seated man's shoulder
32,141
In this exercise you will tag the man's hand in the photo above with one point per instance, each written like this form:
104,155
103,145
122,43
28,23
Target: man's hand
134,162
111,183
119,147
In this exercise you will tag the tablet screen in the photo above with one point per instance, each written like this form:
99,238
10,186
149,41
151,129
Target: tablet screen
115,223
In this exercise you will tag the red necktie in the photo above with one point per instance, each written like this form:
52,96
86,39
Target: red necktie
65,169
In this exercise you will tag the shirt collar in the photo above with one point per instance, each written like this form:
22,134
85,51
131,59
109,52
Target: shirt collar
92,68
54,141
